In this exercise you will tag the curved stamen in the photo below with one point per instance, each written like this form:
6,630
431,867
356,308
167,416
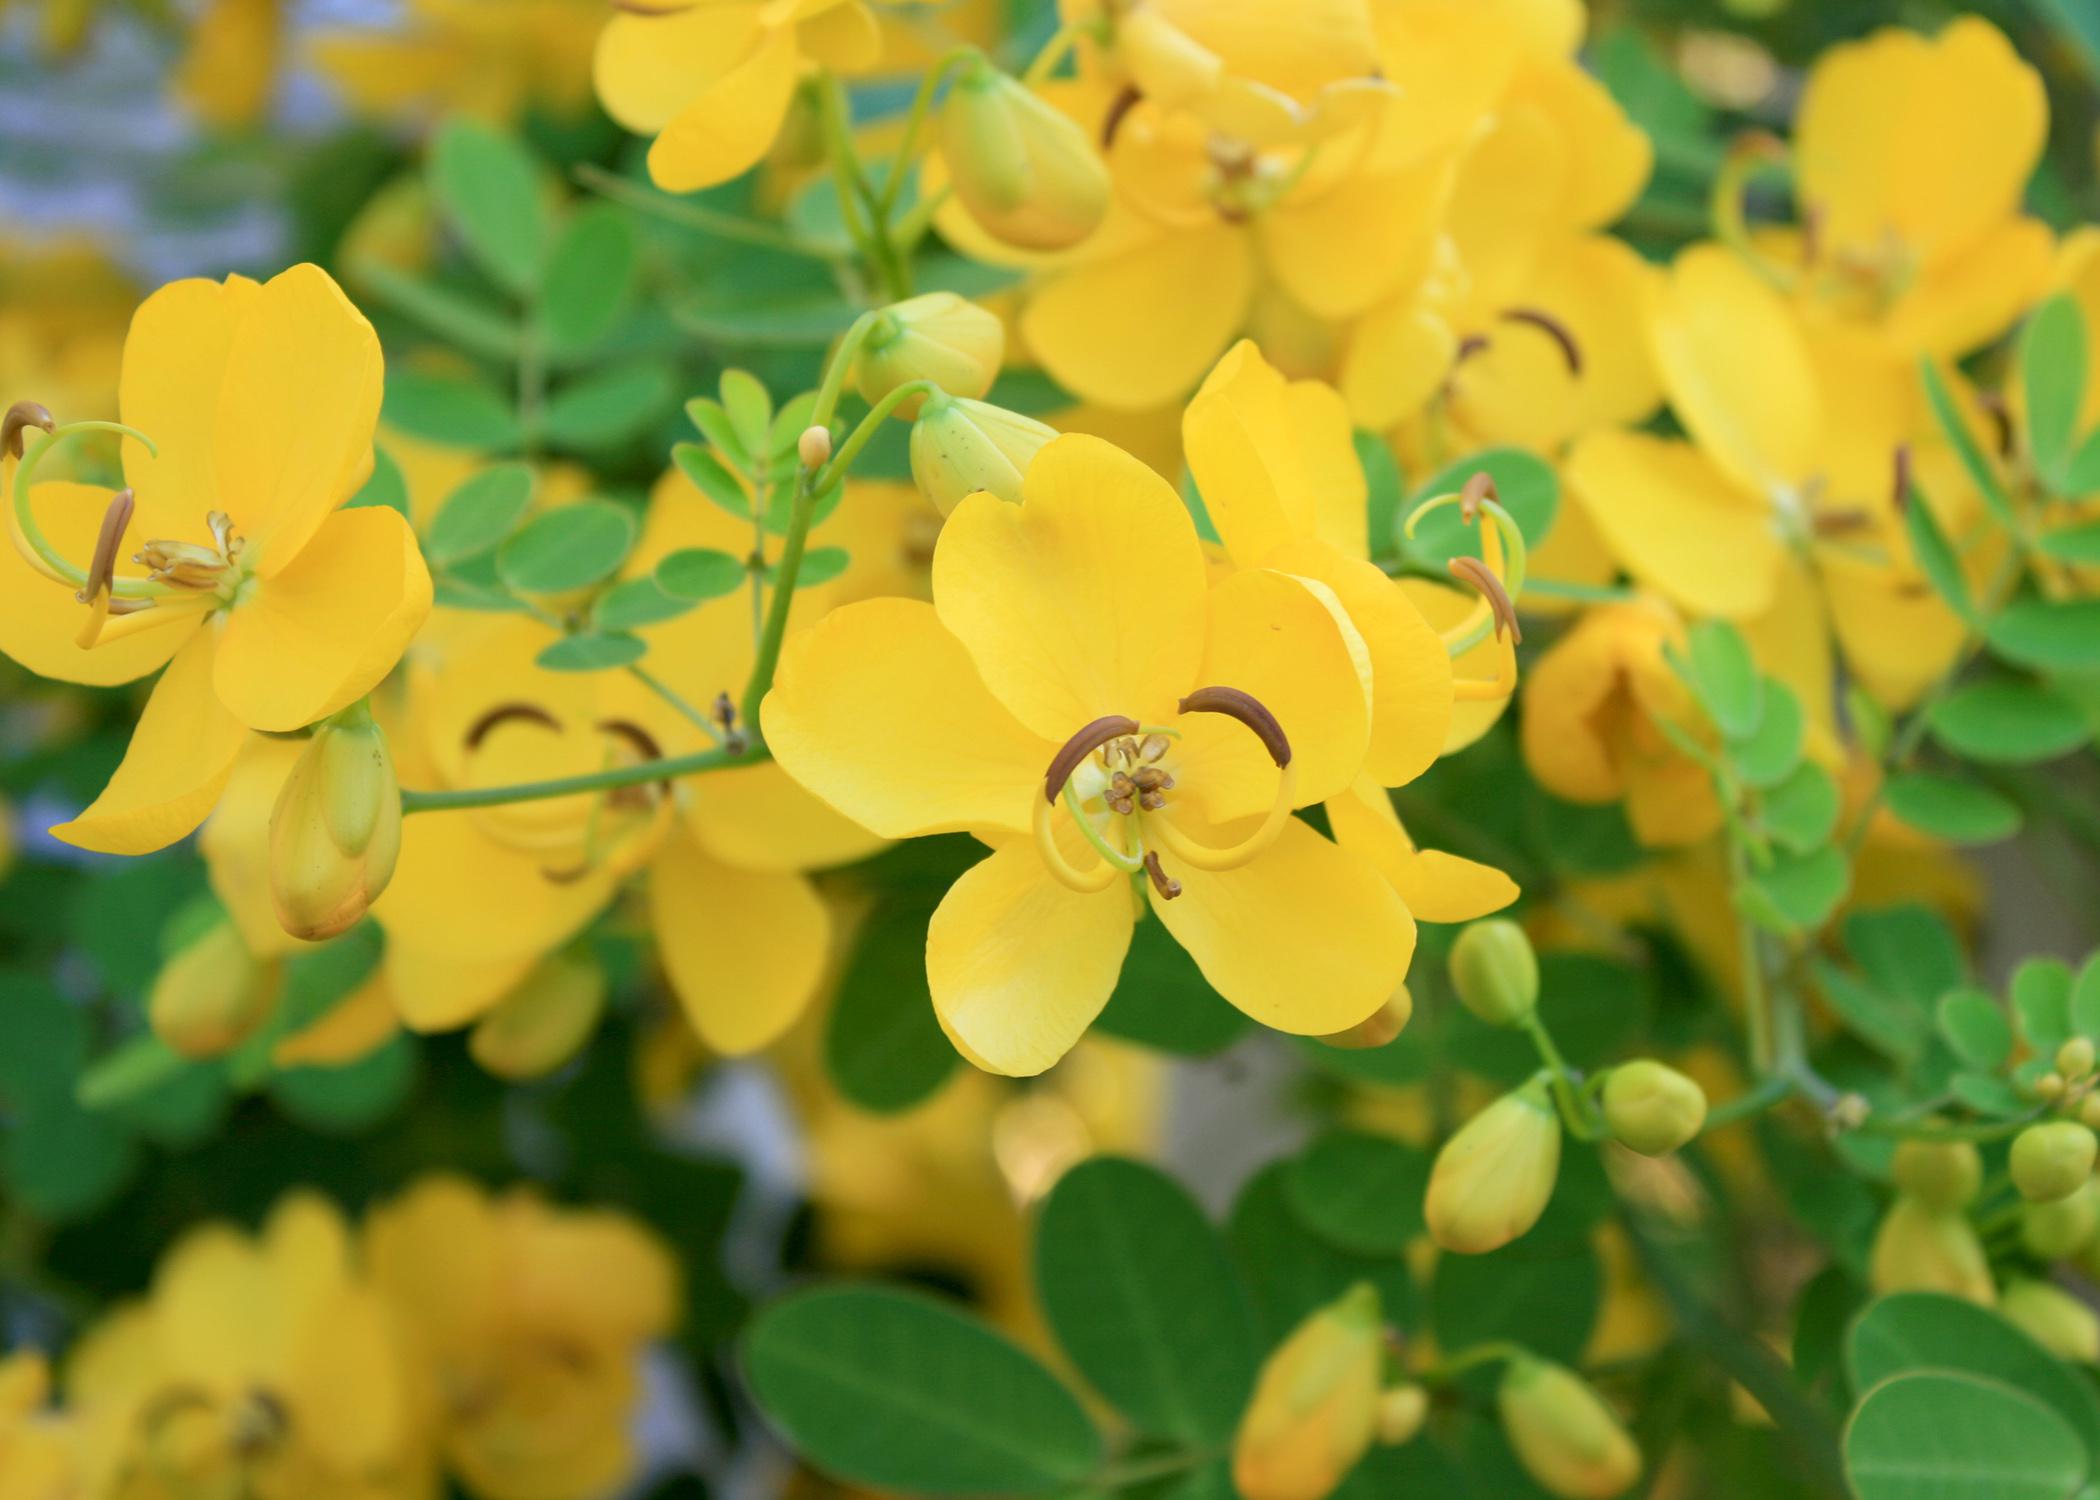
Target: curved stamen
102,567
1747,155
29,536
1206,857
1496,600
21,415
1090,738
1086,882
1553,328
1477,573
1250,711
1167,886
504,713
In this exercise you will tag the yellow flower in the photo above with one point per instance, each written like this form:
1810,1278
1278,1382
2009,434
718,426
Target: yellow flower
528,1323
262,1366
492,58
42,1456
712,81
1565,1436
1081,698
229,70
1919,1248
1492,1179
212,994
2053,1318
335,830
270,606
1315,1407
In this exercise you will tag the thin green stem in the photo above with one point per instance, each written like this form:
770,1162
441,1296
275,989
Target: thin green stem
792,548
670,768
33,534
617,189
914,122
1574,1114
1774,1089
685,709
1495,1351
864,221
859,438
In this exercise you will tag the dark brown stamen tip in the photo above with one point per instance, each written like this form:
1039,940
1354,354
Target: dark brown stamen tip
1553,328
1902,487
1470,345
1481,577
653,11
1167,886
1118,110
1076,749
639,739
2001,420
567,876
1249,710
22,414
1480,487
502,714
103,566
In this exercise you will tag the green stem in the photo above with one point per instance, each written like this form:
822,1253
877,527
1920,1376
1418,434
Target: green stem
669,768
677,701
859,438
1573,1113
33,534
914,122
617,189
1773,1090
789,569
857,206
1493,1352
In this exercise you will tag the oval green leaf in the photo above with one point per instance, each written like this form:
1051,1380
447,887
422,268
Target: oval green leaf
1936,1435
1363,1192
2008,721
479,514
569,548
700,574
487,185
635,603
1948,808
594,652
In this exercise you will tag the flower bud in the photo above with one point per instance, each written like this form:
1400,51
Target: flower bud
1027,174
960,446
1942,1175
2089,1111
1652,1108
2074,1059
336,829
543,1022
2051,1161
1922,1249
2053,1318
211,995
940,337
1567,1439
1492,1179
1379,1027
1495,971
2053,1231
813,447
1315,1405
1401,1413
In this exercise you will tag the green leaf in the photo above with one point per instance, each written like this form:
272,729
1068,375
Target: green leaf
799,319
1140,1292
1362,1192
453,411
1802,811
2041,997
1893,1025
1976,1028
712,478
894,1389
1528,489
1291,1270
1979,469
2047,635
1723,674
351,1099
2085,999
720,431
593,652
607,407
1988,1094
1940,1436
1805,888
1385,490
1162,1000
1908,951
589,278
2052,376
567,548
1545,1297
1770,753
1948,808
2008,721
62,1162
384,486
1929,544
43,1039
819,565
1912,1331
2074,544
749,408
883,1044
700,574
139,1065
635,603
460,318
488,188
2083,478
479,514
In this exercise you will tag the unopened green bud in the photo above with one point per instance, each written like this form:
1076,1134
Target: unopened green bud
1315,1407
2053,1318
1492,1179
1381,1026
960,446
212,995
2089,1111
1922,1249
1652,1108
1566,1438
2052,1160
336,829
543,1022
1027,174
2067,1227
2074,1059
1401,1412
2049,1087
1495,971
940,337
1941,1175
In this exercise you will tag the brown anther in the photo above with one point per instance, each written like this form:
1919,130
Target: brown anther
1470,345
1476,489
651,10
504,713
1090,738
1249,710
1553,328
1118,752
102,568
1152,799
1121,783
1838,523
640,740
1154,746
1482,578
1167,886
1120,802
1118,110
1902,486
567,876
2001,420
1150,779
21,415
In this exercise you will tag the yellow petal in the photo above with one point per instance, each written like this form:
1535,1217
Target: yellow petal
1246,453
1437,887
648,68
730,124
878,711
1340,251
1138,331
1926,139
1676,522
1898,636
1563,730
844,38
40,621
293,434
433,991
745,949
1019,965
457,892
1452,63
757,818
1443,607
1969,300
322,633
1084,600
353,1027
1397,358
236,843
1608,157
1737,369
180,755
174,371
1308,938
